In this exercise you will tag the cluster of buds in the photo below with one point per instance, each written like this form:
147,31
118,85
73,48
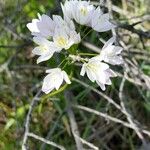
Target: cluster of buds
58,35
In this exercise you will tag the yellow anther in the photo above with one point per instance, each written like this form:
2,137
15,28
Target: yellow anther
83,11
62,42
92,67
43,48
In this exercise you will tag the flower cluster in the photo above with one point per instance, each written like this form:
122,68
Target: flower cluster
53,35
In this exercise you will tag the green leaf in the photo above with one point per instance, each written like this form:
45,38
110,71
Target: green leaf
9,123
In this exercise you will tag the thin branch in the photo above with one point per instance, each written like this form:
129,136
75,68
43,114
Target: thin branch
87,143
27,122
144,34
98,92
128,115
91,47
106,116
51,131
112,102
73,124
45,141
109,3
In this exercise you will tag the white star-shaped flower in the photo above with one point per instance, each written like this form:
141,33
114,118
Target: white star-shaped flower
98,71
111,53
45,49
54,79
101,22
65,39
44,26
80,11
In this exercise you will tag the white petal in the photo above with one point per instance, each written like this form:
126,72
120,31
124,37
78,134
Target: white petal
53,70
33,25
103,24
109,42
46,26
111,73
118,50
82,73
102,78
102,86
44,57
66,78
116,60
59,81
91,75
103,66
47,90
40,40
37,51
95,16
97,58
47,86
76,38
108,82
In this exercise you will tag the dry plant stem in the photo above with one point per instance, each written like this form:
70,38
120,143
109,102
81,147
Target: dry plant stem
114,8
45,141
91,46
112,102
106,116
109,3
73,124
128,115
98,92
27,122
51,131
126,26
74,127
144,34
87,143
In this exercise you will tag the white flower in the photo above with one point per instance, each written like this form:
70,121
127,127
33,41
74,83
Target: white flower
54,80
65,38
44,26
100,22
66,26
67,8
110,53
80,11
66,23
97,71
45,49
33,26
61,39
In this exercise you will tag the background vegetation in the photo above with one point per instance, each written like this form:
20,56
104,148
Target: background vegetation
53,117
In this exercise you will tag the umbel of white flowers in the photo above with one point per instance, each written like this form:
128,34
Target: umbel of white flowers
52,35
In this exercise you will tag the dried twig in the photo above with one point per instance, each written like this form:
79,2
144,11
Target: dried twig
45,141
74,127
73,124
128,115
91,47
98,92
87,143
106,116
27,122
115,104
144,34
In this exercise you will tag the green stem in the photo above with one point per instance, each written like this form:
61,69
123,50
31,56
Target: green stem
61,62
86,34
86,54
44,97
